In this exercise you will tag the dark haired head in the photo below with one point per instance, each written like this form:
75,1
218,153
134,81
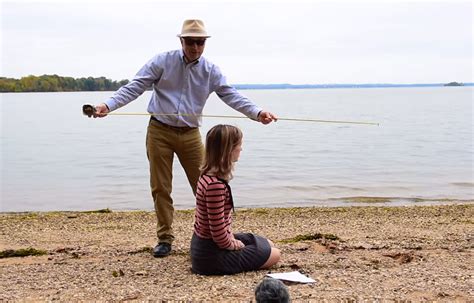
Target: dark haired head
271,291
221,140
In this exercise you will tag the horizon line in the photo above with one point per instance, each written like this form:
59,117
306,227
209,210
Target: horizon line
281,83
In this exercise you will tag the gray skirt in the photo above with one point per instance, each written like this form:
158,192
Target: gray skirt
208,259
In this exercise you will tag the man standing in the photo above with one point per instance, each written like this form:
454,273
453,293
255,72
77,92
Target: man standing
182,81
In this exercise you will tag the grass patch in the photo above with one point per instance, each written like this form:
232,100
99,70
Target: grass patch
118,273
23,252
368,199
145,249
28,216
186,211
98,211
261,211
180,253
309,237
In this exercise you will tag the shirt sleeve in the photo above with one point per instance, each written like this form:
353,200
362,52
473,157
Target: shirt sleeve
232,97
219,226
143,80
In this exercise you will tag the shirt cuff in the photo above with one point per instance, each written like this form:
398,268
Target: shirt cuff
111,105
256,113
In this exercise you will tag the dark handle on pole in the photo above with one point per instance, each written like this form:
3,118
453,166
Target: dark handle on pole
88,110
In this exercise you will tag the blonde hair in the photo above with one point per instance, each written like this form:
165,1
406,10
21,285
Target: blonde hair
221,140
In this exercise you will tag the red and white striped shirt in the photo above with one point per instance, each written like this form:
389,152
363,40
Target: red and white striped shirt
213,217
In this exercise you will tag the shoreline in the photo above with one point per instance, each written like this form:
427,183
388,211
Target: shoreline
390,253
329,203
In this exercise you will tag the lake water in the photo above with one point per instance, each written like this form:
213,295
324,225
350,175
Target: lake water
54,158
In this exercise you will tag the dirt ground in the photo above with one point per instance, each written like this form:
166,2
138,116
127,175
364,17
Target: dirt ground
419,253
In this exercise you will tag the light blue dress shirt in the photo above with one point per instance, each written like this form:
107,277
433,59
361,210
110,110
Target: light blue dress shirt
181,88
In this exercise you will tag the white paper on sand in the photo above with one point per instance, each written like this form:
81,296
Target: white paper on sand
293,276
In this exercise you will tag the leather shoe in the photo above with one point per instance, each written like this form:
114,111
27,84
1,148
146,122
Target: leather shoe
161,250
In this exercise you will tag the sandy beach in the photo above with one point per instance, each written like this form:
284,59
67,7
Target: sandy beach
419,253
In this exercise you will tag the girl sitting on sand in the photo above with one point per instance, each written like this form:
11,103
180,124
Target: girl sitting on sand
215,250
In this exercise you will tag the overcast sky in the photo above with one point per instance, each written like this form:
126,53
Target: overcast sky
256,41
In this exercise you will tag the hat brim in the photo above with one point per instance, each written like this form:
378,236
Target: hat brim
200,35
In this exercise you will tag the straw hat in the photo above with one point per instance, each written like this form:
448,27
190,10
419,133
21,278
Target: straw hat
193,28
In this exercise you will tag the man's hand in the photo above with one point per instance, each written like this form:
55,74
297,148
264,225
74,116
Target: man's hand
266,117
101,110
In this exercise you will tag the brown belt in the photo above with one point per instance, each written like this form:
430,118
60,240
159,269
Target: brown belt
175,128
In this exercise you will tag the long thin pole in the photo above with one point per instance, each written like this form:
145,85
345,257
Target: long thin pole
241,117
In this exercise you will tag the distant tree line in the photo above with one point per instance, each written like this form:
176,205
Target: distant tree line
55,83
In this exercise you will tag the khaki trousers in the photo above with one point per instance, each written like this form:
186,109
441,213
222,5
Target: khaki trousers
162,142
